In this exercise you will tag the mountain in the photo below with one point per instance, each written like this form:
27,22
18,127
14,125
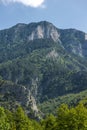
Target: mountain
39,63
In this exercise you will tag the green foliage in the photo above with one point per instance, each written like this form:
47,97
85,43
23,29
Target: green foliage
73,118
4,125
16,120
68,118
21,120
49,122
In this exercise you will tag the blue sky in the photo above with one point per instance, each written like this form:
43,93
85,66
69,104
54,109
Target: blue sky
62,13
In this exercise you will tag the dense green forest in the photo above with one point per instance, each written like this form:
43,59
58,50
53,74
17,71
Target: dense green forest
66,118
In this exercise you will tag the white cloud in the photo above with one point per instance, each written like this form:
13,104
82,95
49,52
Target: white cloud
32,3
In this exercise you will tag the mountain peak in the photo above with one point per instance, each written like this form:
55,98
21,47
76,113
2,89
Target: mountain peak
43,30
45,23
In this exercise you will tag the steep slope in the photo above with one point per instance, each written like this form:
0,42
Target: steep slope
21,36
49,62
74,41
13,95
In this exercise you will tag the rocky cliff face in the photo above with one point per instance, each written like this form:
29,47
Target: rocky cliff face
45,30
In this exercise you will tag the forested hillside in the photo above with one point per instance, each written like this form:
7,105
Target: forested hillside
41,64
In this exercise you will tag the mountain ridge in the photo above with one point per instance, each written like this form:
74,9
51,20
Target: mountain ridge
45,30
